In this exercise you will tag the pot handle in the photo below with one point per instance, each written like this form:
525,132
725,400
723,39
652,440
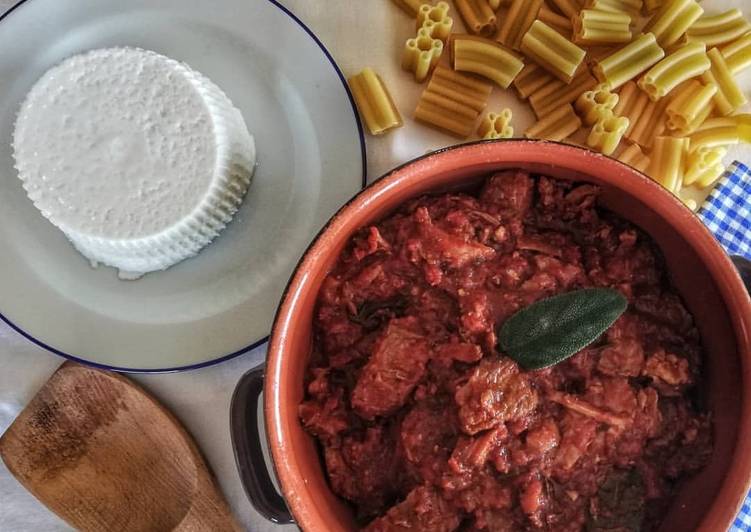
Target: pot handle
246,443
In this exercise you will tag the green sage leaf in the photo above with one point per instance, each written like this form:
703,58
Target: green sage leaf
552,329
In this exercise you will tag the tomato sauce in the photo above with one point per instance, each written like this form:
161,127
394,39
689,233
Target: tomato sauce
425,426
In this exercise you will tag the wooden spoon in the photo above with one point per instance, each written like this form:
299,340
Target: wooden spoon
102,454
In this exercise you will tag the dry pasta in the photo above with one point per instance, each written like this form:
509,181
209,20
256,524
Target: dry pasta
673,19
692,102
558,125
486,58
630,7
704,166
650,6
409,6
596,104
478,16
729,95
552,51
668,161
520,16
568,7
421,54
633,156
496,126
531,79
737,54
607,133
688,61
742,123
715,135
593,26
629,61
718,29
555,21
452,101
646,118
374,102
436,19
551,96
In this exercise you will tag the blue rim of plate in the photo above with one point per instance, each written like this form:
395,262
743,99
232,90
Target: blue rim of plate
265,339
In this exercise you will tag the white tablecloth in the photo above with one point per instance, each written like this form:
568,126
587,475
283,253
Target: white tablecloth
358,33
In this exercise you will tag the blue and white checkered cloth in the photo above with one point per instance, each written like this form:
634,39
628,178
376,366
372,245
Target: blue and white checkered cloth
727,213
727,210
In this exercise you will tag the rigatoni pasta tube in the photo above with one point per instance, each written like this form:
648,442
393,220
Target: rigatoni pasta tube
452,101
737,54
668,161
519,17
550,97
646,118
552,51
672,20
715,136
568,7
496,126
629,61
558,125
607,133
686,62
689,103
704,166
633,156
592,26
436,20
630,7
531,78
742,123
554,20
718,29
650,6
729,95
421,54
486,58
478,16
374,102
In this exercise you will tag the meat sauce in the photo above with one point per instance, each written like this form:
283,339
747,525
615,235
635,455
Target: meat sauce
425,425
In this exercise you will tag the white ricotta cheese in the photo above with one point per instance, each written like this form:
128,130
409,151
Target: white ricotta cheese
140,160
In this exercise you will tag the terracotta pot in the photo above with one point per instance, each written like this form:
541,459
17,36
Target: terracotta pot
702,272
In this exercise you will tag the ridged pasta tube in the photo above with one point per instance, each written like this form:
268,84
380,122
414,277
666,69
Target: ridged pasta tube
688,61
629,61
409,6
672,20
486,58
737,54
436,20
568,7
650,6
668,161
555,94
421,54
742,123
592,26
633,156
558,125
554,20
496,125
374,102
478,16
452,101
519,17
729,95
714,136
692,102
596,104
722,28
532,78
607,133
552,51
630,7
704,166
646,118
